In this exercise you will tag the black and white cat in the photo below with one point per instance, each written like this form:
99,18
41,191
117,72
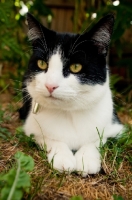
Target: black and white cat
67,98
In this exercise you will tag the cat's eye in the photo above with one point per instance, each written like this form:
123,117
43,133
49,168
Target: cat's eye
42,64
75,68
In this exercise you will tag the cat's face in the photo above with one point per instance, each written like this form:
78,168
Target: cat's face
68,71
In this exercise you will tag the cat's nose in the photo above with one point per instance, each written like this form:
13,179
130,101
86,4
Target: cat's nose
50,88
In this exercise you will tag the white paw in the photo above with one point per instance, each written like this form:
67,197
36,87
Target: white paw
88,160
62,161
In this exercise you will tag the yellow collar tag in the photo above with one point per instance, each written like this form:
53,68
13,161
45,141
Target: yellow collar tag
35,108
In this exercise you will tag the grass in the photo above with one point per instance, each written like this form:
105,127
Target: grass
114,182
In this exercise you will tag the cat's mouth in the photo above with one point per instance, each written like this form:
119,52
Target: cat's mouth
53,98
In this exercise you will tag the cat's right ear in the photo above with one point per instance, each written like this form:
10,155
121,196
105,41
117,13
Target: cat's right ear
34,28
37,30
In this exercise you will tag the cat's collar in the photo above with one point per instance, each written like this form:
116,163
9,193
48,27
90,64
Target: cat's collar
35,108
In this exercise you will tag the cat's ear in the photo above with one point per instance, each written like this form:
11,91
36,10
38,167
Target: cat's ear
37,30
102,31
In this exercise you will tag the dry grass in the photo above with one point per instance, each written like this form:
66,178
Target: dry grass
48,184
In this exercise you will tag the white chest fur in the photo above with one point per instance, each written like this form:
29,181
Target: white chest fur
63,131
75,128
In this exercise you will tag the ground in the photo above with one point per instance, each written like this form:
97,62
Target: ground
114,182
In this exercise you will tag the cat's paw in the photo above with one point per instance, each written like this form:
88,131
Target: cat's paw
62,161
88,160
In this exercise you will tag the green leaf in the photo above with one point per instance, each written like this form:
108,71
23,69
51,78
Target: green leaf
17,181
26,161
76,198
4,193
4,133
24,181
16,196
9,177
117,197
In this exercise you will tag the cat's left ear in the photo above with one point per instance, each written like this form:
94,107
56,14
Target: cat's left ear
101,32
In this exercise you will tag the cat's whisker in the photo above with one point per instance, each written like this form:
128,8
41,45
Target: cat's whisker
78,39
28,51
61,96
38,49
78,45
24,99
16,89
18,93
79,51
32,48
44,43
15,80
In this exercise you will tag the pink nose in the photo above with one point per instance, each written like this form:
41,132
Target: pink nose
50,88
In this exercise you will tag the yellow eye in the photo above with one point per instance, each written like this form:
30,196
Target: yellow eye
75,68
42,64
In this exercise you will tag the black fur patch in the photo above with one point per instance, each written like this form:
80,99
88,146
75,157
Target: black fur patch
115,118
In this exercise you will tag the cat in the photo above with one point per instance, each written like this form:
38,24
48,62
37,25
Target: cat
67,99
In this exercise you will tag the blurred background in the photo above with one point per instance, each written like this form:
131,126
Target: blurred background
63,16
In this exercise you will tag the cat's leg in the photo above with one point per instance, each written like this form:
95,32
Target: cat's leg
60,156
58,153
115,130
88,159
31,126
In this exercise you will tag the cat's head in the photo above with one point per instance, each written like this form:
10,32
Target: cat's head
68,71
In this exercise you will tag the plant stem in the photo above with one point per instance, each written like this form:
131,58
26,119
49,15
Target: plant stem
15,181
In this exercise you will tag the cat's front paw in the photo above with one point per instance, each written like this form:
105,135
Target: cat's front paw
88,160
62,161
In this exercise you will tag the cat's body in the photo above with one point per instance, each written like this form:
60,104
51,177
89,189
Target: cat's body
73,105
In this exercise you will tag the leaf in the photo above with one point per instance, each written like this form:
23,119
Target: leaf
26,161
117,197
17,181
16,196
76,198
24,181
5,134
9,176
